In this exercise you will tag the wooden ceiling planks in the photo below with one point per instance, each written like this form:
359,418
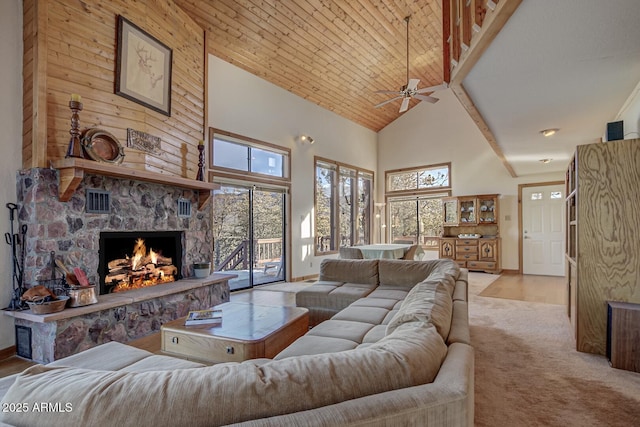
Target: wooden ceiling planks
335,53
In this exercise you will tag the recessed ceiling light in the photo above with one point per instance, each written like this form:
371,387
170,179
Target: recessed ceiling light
549,132
545,160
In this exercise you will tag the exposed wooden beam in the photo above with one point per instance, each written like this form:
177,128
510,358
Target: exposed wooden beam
493,22
475,115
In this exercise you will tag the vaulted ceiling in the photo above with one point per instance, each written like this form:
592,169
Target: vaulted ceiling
570,64
333,53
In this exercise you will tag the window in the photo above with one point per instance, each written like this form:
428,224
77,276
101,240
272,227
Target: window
434,177
238,154
343,205
556,195
536,196
414,198
417,219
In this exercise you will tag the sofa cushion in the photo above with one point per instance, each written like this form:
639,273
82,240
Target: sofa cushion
459,324
306,345
110,356
5,383
375,334
391,292
345,329
402,273
429,301
332,297
160,363
376,302
390,315
372,315
350,270
460,293
229,393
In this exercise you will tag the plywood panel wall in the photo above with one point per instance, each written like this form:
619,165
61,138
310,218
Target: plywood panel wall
608,235
70,47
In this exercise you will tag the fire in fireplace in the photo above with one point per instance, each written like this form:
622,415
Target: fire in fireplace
132,260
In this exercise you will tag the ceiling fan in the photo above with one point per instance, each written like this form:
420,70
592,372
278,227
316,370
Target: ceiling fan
410,90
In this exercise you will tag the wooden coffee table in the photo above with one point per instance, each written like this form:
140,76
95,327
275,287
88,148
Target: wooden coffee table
247,331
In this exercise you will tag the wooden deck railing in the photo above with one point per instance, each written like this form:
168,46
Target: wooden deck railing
266,251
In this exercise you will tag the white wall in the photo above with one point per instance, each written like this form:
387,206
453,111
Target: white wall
630,114
10,141
442,132
242,103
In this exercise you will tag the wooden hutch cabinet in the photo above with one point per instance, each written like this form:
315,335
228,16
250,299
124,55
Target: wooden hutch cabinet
602,236
465,218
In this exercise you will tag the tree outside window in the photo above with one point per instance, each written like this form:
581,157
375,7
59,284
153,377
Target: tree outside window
343,206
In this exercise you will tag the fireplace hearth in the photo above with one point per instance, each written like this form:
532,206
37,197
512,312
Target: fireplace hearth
138,259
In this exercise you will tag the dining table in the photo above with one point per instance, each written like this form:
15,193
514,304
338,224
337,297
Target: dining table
384,250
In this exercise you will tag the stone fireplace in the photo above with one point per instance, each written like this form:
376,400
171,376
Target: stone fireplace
159,213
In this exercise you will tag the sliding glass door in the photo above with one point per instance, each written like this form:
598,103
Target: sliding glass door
249,234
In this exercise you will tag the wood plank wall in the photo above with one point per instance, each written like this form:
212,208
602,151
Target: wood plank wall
70,47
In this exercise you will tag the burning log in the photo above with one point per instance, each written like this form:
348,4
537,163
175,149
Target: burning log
119,264
128,263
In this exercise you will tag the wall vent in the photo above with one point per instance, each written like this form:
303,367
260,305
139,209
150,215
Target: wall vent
184,208
98,201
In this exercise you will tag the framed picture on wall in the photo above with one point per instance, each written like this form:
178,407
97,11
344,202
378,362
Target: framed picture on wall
143,68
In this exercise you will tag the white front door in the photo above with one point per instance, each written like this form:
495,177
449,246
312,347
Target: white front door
543,230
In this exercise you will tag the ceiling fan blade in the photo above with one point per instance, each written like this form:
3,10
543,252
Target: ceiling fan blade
388,101
433,88
389,92
405,104
426,98
413,84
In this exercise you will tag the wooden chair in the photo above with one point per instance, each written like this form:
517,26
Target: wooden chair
350,253
411,253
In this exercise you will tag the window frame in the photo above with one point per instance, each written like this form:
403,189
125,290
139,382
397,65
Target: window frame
413,194
336,192
225,172
389,173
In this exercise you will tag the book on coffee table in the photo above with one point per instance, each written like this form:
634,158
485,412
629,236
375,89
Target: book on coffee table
204,317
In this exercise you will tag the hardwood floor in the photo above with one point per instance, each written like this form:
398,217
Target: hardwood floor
547,289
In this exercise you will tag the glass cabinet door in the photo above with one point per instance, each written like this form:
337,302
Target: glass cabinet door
468,210
450,210
487,210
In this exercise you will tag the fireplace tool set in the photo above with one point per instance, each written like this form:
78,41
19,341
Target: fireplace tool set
17,243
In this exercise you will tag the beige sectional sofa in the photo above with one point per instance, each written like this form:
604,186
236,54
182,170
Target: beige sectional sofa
396,352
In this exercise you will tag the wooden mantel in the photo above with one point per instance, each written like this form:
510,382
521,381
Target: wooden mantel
72,172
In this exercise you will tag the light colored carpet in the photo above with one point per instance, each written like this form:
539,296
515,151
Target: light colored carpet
528,372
